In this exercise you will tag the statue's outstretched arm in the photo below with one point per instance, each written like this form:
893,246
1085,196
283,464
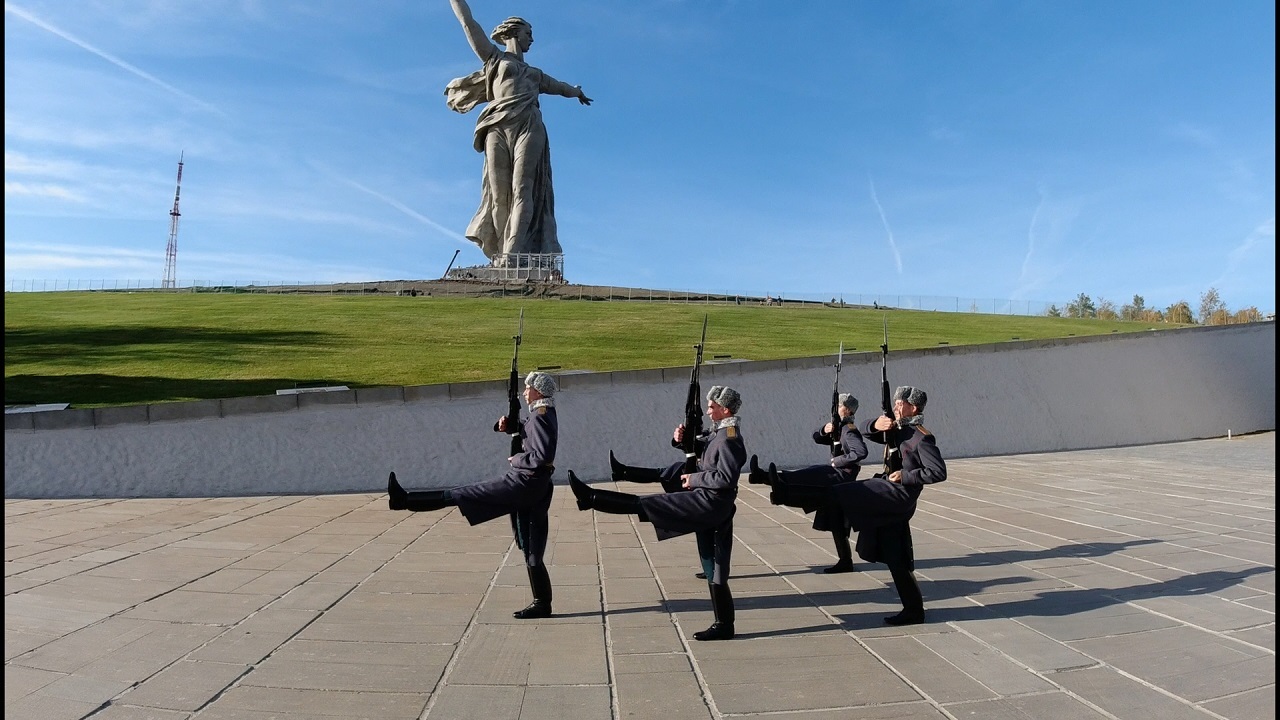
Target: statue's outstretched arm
552,86
476,36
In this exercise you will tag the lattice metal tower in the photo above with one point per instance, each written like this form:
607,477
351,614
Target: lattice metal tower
171,251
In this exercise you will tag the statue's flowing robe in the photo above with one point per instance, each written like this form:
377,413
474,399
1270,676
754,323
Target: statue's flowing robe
517,205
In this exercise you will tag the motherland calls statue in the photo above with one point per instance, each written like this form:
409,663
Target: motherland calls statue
517,205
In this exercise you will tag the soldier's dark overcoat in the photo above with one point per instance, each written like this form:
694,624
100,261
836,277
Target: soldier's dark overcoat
526,486
841,468
884,506
709,504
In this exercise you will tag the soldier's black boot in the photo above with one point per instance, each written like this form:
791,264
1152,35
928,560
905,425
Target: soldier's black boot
805,497
605,501
396,495
904,581
844,553
722,609
756,476
418,500
632,474
540,582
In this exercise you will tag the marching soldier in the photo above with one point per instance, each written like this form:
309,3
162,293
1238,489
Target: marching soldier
881,507
705,505
524,492
841,468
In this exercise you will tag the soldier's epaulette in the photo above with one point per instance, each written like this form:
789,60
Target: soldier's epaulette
923,430
731,432
542,411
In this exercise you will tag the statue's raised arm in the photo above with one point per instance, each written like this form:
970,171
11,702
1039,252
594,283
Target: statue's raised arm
476,36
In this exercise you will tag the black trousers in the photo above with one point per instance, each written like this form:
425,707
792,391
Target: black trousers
530,528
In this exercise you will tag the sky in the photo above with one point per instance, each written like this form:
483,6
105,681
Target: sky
1029,151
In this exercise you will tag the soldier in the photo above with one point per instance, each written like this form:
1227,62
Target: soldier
705,506
670,476
841,468
881,507
524,491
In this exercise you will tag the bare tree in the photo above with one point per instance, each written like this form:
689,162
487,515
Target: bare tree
1211,307
1107,310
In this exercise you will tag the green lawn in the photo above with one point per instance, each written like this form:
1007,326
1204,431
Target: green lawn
97,349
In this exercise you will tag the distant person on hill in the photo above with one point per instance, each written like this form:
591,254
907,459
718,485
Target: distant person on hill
880,508
524,492
705,504
844,467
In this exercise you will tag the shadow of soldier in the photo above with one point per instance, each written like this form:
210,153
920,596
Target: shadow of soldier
1034,603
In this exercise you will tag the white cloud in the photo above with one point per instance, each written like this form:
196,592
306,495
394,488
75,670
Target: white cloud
45,259
41,190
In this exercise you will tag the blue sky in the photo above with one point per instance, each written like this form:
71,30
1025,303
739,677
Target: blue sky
979,149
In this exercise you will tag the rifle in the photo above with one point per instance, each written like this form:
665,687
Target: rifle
693,409
836,449
891,460
513,393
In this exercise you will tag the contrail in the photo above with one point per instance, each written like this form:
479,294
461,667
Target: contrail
1031,237
406,210
897,258
1240,254
25,15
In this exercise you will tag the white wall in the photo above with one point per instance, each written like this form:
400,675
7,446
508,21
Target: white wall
999,399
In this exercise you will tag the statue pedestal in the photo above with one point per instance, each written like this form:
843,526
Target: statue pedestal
516,267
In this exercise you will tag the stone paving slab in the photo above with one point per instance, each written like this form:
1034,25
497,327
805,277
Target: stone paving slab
1118,583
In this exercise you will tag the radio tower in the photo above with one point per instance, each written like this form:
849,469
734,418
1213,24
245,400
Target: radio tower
171,252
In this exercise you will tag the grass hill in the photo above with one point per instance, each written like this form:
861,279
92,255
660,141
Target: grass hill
116,348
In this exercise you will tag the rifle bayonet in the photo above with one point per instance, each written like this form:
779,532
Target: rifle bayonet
513,392
886,404
693,407
836,448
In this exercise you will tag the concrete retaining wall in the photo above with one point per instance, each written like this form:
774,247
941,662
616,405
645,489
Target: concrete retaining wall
1005,398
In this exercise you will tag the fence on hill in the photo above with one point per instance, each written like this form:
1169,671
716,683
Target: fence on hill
565,291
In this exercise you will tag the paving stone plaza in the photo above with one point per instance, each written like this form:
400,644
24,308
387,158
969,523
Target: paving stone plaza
1124,583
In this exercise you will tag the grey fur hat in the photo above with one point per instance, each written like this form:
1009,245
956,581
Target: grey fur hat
915,396
726,397
849,401
541,382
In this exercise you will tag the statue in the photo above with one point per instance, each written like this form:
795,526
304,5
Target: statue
517,206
